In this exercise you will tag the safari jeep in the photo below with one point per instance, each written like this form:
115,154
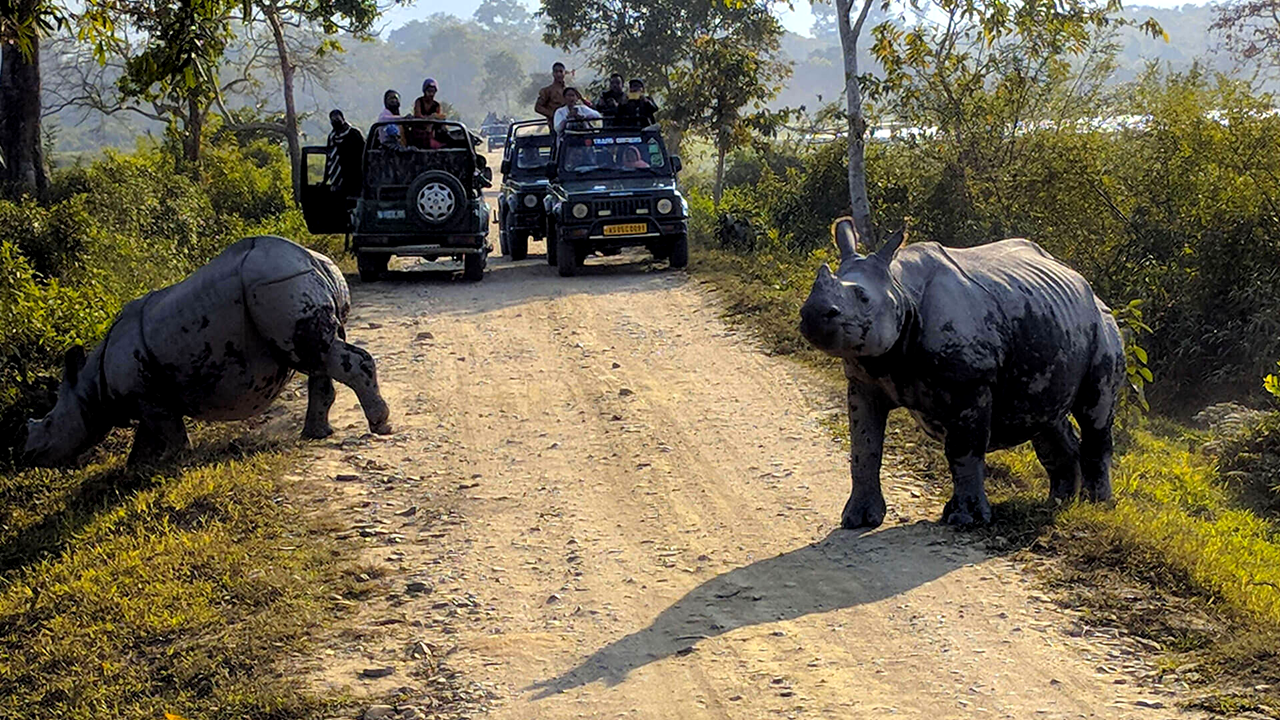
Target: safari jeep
521,214
421,197
613,188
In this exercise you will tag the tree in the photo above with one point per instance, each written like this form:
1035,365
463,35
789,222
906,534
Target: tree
1250,31
302,29
505,17
502,77
644,38
176,64
850,31
22,24
724,79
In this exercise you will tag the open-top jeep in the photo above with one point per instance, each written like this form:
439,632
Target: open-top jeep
613,188
421,197
521,214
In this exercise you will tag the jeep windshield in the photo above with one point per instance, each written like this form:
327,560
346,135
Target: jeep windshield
613,153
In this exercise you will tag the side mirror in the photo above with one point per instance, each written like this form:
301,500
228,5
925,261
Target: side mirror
676,165
506,167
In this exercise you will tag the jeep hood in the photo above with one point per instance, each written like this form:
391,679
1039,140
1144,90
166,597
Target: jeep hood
647,183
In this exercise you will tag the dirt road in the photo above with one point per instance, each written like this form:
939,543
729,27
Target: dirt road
642,521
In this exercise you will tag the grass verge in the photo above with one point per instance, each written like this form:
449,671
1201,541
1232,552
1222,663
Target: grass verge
1187,558
125,595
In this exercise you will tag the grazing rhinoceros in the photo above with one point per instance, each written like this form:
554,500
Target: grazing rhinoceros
987,347
220,345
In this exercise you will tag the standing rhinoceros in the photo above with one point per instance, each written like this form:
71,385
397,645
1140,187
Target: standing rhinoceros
987,347
220,345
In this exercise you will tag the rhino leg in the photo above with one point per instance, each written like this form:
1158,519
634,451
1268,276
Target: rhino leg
966,449
320,397
160,433
354,367
1059,452
1095,411
868,411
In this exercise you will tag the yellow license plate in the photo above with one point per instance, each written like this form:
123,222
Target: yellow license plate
628,229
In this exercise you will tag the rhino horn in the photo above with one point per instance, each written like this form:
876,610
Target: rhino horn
73,362
846,237
891,245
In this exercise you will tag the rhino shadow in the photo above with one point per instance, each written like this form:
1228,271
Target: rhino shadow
843,570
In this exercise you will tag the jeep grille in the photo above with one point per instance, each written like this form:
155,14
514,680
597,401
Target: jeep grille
624,206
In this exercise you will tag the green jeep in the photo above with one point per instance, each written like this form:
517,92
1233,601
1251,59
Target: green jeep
421,197
613,188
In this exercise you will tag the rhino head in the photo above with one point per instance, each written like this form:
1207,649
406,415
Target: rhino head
859,310
67,430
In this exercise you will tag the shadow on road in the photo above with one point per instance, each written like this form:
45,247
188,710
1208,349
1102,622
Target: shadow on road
843,570
508,284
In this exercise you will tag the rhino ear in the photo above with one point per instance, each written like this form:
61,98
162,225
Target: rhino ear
891,245
846,237
73,363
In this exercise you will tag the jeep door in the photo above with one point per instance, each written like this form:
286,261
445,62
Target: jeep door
325,213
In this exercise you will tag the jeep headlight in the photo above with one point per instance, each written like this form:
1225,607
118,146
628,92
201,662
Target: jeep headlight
664,206
580,210
530,201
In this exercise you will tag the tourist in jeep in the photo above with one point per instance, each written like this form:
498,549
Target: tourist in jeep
390,135
610,100
427,135
574,114
551,97
639,110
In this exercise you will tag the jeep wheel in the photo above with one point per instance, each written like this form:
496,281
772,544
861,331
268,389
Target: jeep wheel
566,258
436,199
371,265
504,238
680,251
473,267
519,246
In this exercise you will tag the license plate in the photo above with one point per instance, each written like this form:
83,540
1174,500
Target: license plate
627,229
390,214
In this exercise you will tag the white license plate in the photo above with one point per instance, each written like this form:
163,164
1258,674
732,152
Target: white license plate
390,214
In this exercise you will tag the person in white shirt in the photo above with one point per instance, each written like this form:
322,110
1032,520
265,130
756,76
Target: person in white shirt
574,114
390,134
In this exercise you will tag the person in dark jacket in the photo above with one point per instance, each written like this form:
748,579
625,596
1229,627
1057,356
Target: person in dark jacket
344,157
610,100
639,110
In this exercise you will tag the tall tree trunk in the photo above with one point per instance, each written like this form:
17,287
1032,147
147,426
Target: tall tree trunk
23,171
192,133
722,149
272,13
857,122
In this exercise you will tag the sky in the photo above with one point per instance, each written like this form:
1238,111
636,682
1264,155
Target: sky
798,19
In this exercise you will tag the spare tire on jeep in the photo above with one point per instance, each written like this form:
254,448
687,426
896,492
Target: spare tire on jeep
435,199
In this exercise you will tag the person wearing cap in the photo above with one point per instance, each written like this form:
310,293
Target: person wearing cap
390,134
427,106
639,110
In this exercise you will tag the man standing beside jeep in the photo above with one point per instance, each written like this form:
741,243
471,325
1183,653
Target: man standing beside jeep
343,158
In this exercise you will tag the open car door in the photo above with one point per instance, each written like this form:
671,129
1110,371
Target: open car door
325,213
